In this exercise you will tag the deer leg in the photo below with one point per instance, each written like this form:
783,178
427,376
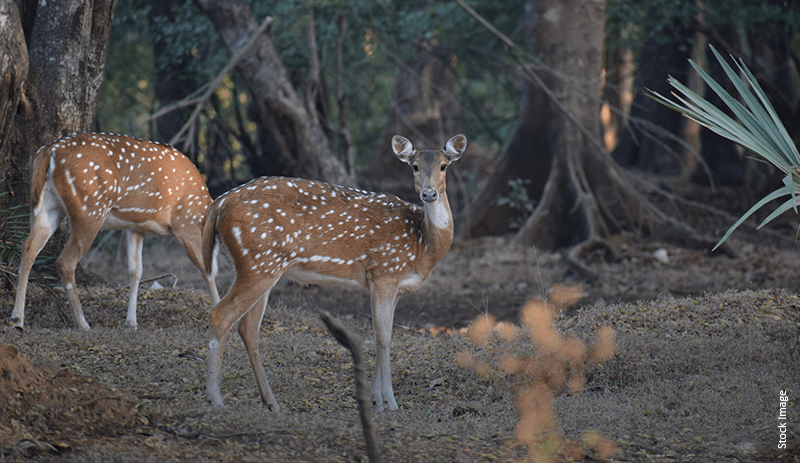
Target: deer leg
192,246
248,330
43,225
80,239
240,299
135,244
383,305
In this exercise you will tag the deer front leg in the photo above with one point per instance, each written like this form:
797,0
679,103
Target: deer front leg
383,305
135,244
248,330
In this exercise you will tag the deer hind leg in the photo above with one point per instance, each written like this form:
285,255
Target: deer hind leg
241,299
248,330
43,225
135,243
192,245
81,237
383,305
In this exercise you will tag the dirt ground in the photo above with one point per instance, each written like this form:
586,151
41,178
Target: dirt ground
706,341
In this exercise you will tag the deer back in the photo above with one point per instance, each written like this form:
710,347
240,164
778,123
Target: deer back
314,229
127,182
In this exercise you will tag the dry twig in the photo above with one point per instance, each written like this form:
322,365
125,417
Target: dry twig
353,344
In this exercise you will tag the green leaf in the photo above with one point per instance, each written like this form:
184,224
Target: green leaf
780,210
770,197
755,125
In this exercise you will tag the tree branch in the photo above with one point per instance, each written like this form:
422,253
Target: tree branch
202,101
345,140
486,23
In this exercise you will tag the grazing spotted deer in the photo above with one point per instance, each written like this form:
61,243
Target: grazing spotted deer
317,233
112,182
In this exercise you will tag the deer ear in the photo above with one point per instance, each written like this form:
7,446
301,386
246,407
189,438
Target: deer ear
402,148
455,147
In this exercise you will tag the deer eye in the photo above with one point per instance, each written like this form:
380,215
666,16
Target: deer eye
416,168
444,166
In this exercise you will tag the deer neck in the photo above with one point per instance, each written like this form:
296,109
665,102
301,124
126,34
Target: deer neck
437,229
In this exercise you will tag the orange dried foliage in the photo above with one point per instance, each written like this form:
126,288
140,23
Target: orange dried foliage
481,368
576,384
574,353
508,331
510,364
565,296
464,359
479,330
538,318
559,363
606,345
604,448
536,407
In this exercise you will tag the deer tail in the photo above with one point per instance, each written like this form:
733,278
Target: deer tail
210,242
39,175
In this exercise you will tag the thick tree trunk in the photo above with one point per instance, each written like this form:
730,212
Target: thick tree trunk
13,106
583,196
586,198
68,47
296,132
65,53
51,65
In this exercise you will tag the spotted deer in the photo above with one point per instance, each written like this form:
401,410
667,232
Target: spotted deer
112,182
317,233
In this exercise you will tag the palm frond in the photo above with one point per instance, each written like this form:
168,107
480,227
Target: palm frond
755,126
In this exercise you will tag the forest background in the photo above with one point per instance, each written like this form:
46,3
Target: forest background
566,153
551,95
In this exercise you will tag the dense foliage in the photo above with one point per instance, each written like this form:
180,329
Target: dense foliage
380,38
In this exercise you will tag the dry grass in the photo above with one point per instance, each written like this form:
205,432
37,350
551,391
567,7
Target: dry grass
693,379
694,376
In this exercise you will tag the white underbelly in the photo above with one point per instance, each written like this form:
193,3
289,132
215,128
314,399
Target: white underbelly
148,227
312,278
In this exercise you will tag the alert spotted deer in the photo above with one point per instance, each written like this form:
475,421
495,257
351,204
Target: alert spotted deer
112,182
317,233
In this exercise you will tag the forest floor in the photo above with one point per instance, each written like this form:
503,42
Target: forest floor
705,343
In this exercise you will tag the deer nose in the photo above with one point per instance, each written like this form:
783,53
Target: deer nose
429,194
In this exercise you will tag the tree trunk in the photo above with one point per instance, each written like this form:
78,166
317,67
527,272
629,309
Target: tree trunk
582,195
618,89
650,141
297,133
51,67
13,106
527,157
65,53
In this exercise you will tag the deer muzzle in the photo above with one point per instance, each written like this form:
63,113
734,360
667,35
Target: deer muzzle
429,194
